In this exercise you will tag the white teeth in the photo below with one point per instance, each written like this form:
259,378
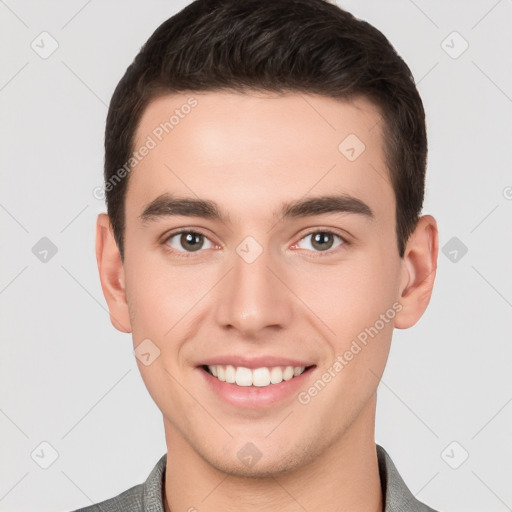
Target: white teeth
276,375
259,377
288,373
243,376
230,374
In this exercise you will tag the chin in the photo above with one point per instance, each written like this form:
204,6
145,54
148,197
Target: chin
249,462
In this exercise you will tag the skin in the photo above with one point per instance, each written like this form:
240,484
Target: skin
250,153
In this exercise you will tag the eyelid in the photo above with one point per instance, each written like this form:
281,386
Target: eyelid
321,229
188,229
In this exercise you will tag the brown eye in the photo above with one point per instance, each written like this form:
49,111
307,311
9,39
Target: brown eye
188,241
321,241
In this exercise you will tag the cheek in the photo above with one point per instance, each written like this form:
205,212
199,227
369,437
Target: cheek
356,302
161,296
352,296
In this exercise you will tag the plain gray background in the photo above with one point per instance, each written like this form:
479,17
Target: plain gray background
68,378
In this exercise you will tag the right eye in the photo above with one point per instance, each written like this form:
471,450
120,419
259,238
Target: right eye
187,241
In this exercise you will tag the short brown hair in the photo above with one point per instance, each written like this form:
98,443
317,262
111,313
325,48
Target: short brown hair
307,46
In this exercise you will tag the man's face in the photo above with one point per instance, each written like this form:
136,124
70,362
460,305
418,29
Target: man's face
256,288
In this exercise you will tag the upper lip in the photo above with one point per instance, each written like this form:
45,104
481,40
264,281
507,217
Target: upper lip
253,362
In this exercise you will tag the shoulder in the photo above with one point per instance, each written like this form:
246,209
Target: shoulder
143,497
397,496
128,501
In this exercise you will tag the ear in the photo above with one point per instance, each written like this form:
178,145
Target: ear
111,270
418,272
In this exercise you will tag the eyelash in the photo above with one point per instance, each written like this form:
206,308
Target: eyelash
184,254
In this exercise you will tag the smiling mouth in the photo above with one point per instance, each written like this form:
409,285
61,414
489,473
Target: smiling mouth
257,377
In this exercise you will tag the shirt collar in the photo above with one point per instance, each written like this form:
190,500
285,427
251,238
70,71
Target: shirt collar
396,495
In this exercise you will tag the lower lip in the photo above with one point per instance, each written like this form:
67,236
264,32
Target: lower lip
251,397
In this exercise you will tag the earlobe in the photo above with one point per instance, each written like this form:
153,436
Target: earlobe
418,272
111,271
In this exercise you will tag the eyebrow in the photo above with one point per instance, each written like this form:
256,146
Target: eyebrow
167,205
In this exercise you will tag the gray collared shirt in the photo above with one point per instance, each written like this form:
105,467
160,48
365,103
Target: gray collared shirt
148,496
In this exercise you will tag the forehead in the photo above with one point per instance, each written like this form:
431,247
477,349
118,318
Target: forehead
253,149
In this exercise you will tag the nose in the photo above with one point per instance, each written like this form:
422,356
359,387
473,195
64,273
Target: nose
254,299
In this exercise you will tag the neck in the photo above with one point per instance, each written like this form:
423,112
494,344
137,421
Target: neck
345,476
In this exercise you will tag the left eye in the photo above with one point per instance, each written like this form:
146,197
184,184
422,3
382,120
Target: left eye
321,241
191,241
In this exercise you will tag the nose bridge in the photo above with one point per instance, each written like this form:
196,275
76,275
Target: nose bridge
253,299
